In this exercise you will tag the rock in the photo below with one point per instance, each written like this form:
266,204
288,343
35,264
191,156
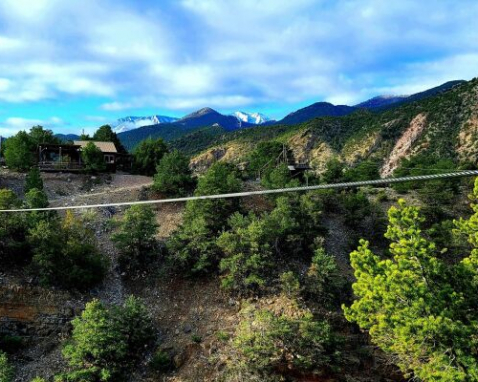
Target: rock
176,331
187,328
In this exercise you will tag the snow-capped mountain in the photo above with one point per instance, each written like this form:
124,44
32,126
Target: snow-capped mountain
129,123
254,118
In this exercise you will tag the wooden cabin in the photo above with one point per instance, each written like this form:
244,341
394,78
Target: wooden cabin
67,156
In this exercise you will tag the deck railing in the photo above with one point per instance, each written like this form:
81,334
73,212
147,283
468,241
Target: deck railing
58,166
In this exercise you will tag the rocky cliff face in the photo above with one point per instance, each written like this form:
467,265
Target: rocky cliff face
33,311
403,147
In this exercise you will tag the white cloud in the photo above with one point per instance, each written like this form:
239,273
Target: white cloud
12,125
225,54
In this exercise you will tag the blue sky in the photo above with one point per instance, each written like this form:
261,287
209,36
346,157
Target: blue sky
73,65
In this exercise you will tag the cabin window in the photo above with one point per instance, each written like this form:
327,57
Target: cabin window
109,159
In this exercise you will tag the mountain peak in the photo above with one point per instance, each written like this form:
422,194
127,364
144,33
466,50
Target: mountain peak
254,118
131,122
200,113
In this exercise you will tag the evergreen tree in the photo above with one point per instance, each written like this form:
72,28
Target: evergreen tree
173,176
147,156
65,253
193,246
20,151
136,237
291,339
33,180
106,134
93,158
417,308
107,342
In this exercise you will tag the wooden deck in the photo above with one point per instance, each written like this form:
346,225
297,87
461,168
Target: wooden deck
60,166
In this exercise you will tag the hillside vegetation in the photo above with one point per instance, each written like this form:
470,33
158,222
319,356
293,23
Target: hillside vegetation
448,128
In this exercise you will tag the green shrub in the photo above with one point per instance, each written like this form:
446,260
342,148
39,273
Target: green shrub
323,282
247,252
196,338
65,253
136,237
253,242
263,157
365,170
161,361
173,176
334,171
279,177
93,158
107,342
222,336
268,340
36,198
290,284
6,370
193,247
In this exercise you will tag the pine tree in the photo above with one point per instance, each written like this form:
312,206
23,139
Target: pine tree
33,180
417,308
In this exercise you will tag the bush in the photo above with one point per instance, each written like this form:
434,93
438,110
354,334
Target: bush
290,284
173,176
136,237
147,156
33,180
161,361
323,281
107,342
279,177
267,340
36,198
93,158
6,370
193,247
253,242
65,253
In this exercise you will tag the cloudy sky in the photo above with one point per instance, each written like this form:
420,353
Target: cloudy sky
78,64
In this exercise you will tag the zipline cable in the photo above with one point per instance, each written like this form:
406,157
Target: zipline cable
373,182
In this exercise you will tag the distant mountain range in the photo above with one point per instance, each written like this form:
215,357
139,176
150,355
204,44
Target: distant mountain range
131,130
325,109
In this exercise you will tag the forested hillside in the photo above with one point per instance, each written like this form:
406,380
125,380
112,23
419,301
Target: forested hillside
442,126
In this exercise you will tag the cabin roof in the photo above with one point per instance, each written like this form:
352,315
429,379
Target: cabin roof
105,147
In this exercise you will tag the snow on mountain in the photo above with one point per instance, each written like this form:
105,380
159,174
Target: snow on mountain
255,118
130,123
